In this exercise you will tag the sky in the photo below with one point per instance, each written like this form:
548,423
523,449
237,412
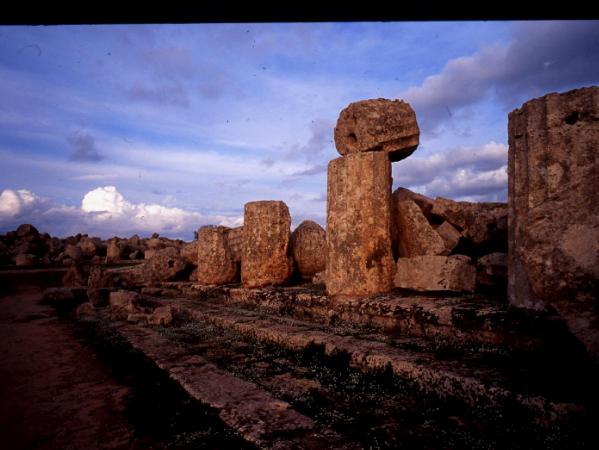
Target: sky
122,129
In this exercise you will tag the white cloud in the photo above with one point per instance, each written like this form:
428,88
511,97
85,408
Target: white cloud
15,203
465,173
105,212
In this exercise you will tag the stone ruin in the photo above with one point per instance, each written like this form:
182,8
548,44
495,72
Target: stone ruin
396,280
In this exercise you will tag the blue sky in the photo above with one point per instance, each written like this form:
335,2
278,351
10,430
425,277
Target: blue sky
115,129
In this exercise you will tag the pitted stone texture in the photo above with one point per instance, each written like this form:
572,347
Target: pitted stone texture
235,240
190,252
553,197
491,270
214,260
359,259
449,234
436,273
415,236
113,251
378,125
309,248
484,224
266,258
425,203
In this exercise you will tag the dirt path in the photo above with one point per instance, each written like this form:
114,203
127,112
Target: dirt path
54,392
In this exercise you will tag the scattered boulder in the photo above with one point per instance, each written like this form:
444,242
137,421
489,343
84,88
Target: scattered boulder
122,303
113,252
86,311
25,259
88,247
491,271
436,273
266,258
76,276
166,265
415,236
73,252
27,230
149,253
378,125
553,196
214,260
484,224
309,249
163,315
449,234
154,243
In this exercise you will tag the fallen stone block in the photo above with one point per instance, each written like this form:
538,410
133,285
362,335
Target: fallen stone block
436,273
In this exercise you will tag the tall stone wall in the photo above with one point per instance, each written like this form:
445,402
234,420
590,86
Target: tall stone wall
359,262
553,217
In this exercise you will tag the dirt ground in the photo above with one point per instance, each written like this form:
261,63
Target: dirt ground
55,393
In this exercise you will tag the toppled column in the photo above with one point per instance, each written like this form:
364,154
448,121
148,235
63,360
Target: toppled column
266,256
359,260
553,220
215,262
378,125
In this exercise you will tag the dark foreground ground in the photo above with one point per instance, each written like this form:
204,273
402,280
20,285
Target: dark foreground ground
61,387
112,384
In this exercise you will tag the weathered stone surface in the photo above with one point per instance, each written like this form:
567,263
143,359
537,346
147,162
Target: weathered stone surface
553,197
491,270
436,273
73,252
25,259
27,229
88,247
450,236
150,252
86,311
123,303
190,252
425,203
415,236
214,260
76,276
166,265
378,125
266,258
113,251
359,256
483,223
163,315
235,241
319,278
309,248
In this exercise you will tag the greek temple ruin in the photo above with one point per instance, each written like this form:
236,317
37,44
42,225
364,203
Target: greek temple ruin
404,305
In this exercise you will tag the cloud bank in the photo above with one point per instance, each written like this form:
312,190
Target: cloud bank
104,212
475,174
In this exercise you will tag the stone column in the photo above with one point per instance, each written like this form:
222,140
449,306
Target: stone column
215,261
553,217
369,135
359,261
266,258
